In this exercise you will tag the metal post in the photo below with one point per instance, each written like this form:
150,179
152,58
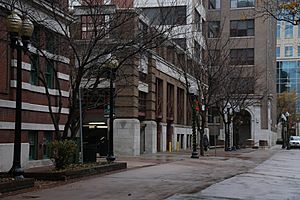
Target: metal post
16,169
81,132
110,156
288,146
227,131
283,133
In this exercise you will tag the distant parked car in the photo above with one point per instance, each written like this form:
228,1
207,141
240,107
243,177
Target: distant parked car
295,141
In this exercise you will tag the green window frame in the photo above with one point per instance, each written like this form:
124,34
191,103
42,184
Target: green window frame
49,74
33,144
46,141
34,73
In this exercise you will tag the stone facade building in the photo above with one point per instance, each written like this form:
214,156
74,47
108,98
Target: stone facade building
254,39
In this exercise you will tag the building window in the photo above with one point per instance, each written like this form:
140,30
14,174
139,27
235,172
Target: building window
143,29
213,116
46,141
33,144
159,98
245,85
241,3
277,52
4,59
173,15
198,21
286,76
242,56
288,30
241,28
298,51
170,101
181,42
288,51
214,4
92,26
51,41
180,106
197,51
278,30
34,73
49,74
35,39
142,102
213,29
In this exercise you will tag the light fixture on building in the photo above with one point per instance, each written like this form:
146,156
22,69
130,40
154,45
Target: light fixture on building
97,123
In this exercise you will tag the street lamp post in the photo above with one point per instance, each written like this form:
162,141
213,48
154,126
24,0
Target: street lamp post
284,131
112,67
288,146
24,28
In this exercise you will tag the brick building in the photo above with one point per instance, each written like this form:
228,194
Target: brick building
37,126
152,111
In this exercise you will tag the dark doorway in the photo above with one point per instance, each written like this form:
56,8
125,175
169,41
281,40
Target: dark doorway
142,139
96,138
241,128
169,134
158,136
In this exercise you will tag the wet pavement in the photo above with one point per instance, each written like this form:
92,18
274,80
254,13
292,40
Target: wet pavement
157,176
275,179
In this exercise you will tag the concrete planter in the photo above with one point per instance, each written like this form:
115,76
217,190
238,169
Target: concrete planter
11,186
77,173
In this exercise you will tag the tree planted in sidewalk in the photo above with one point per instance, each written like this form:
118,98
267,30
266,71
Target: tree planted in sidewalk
88,36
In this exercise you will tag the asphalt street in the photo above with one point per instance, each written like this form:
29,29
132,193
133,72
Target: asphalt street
177,176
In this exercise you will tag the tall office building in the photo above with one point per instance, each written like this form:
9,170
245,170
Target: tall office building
288,59
254,41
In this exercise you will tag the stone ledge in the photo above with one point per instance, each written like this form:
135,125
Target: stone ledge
78,173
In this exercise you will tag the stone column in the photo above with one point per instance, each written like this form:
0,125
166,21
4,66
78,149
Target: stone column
127,137
126,125
174,138
150,137
185,141
163,137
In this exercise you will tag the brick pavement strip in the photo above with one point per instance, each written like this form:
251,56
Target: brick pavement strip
157,176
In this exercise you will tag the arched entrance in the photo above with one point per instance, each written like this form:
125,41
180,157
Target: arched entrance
241,128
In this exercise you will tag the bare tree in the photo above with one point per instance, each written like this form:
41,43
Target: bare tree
90,35
281,10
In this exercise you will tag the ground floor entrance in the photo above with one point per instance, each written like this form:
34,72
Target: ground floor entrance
241,128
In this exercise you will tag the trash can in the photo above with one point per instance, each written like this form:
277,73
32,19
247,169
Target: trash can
89,153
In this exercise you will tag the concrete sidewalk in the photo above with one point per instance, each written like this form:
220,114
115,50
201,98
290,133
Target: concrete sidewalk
275,179
156,176
146,160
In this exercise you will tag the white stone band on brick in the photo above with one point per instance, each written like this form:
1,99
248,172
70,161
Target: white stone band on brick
30,126
62,76
39,89
25,66
51,56
32,107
